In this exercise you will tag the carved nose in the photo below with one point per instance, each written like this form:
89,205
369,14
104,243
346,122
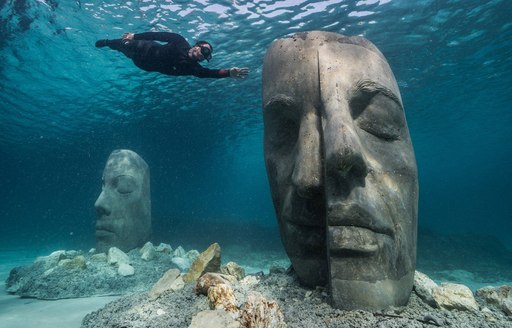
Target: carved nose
101,205
307,172
348,163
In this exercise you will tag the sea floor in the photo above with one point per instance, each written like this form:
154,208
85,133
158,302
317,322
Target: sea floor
459,263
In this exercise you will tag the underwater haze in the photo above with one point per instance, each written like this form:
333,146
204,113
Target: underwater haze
65,105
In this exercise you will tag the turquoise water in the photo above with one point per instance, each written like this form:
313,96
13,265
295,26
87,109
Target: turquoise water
65,105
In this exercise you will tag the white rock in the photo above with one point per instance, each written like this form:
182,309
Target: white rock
192,255
51,260
92,251
164,248
178,284
148,252
164,283
249,281
117,256
423,286
213,319
125,270
507,306
180,252
182,263
454,296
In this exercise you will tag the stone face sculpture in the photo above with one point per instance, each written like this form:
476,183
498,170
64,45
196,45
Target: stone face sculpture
124,207
341,168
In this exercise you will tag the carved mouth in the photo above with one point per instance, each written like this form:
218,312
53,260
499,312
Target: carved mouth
353,215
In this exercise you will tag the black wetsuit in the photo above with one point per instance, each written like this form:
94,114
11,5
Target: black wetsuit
170,58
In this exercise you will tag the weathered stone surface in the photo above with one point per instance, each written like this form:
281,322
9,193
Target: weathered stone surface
233,269
182,263
164,284
125,270
147,252
70,279
222,296
208,261
500,297
211,279
454,296
260,312
214,319
100,257
165,248
423,286
78,262
51,260
116,256
180,252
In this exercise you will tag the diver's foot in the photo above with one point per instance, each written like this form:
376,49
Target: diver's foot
101,43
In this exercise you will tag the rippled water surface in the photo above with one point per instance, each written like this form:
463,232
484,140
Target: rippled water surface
65,105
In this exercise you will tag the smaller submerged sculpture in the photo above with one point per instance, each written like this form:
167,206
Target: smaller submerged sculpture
124,207
341,168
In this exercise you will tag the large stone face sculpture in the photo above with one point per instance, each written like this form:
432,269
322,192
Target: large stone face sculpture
341,168
124,206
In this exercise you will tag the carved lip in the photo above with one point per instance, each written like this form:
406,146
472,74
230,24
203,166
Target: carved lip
103,229
354,215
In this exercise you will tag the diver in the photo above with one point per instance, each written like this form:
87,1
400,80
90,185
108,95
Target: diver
176,57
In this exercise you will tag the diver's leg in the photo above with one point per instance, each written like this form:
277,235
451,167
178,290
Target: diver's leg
127,47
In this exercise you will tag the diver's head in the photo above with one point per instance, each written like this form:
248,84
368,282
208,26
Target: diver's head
201,50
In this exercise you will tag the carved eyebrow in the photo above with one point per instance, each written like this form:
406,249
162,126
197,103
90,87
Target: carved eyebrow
374,87
280,100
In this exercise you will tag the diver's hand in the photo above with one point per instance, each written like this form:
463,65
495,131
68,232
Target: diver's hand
240,73
128,36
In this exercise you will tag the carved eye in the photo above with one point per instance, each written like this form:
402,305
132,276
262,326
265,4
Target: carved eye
124,184
378,114
281,127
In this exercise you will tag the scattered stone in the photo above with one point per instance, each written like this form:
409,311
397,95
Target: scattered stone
92,251
214,319
147,252
51,260
125,270
234,270
164,248
100,257
423,286
180,252
192,255
182,263
116,256
211,279
249,281
276,270
454,296
260,312
208,261
499,297
177,284
164,284
76,263
221,296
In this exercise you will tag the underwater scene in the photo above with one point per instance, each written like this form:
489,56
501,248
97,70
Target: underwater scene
293,163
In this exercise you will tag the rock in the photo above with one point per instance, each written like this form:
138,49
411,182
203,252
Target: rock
249,281
180,252
77,262
164,248
164,284
178,284
260,312
501,297
423,287
192,255
51,260
100,257
208,261
454,296
211,279
116,256
125,270
147,252
182,263
92,251
214,319
234,270
222,296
